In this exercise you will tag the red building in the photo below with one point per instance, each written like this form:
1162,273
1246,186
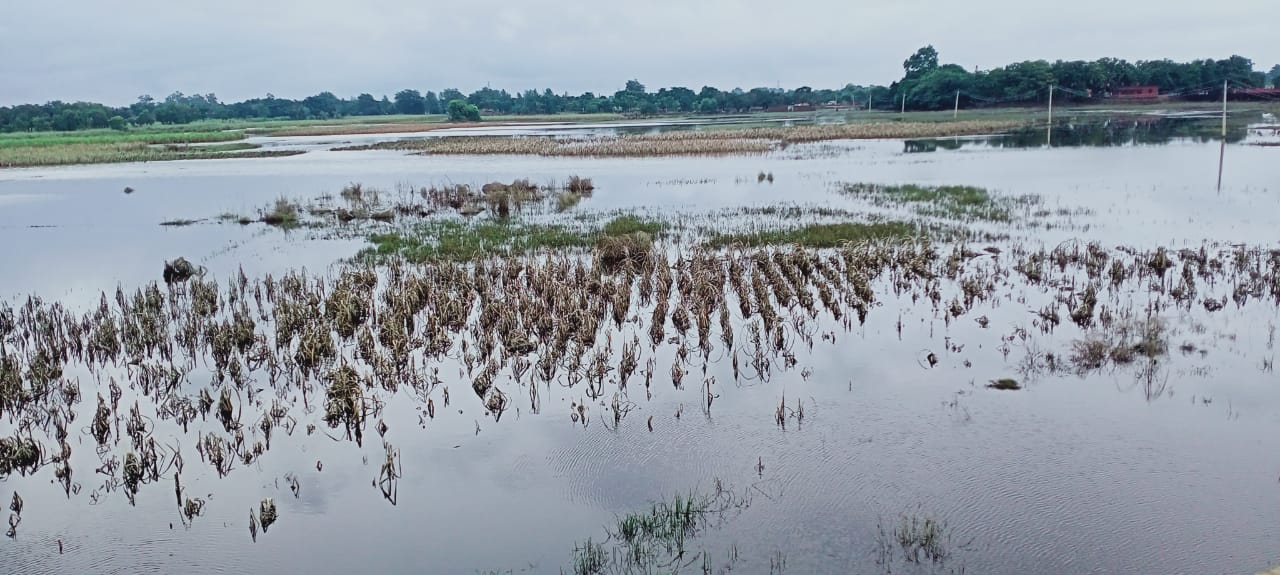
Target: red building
1136,93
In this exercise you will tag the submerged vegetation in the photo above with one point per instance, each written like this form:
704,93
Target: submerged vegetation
517,324
658,539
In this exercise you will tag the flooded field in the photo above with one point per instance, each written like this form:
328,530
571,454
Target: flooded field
947,355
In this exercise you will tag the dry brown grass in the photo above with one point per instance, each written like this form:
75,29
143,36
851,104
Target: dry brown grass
690,143
392,128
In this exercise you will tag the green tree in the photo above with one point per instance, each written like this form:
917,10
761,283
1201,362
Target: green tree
922,61
367,105
936,89
323,105
451,94
410,102
460,111
432,103
117,123
708,105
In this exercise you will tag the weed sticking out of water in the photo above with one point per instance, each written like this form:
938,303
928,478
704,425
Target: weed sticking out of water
1120,343
917,540
178,223
283,214
659,537
579,185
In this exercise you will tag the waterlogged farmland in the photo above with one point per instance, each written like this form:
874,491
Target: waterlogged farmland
695,349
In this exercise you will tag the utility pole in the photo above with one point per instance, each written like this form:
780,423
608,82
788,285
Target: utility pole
868,100
1224,110
956,113
1049,137
1222,150
904,105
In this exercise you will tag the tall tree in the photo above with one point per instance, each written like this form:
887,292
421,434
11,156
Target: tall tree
922,61
432,103
410,102
367,105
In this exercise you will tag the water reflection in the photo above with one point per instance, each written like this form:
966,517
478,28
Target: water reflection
1138,130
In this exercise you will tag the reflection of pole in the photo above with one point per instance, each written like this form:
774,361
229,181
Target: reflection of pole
956,113
1222,150
1049,136
1222,155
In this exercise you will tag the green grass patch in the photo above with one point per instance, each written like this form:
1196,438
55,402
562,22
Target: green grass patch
1005,384
466,240
55,139
627,224
454,240
31,149
818,235
963,203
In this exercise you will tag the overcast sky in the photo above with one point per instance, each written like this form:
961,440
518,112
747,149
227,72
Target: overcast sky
112,52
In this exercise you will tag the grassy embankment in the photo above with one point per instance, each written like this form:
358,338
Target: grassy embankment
106,146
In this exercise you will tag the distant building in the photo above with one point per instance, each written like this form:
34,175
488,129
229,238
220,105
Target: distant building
1136,93
792,108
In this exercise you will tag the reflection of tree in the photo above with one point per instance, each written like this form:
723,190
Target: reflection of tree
919,146
1105,133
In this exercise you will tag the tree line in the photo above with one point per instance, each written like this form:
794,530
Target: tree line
926,85
929,86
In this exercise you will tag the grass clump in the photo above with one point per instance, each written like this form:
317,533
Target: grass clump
1005,384
818,235
284,214
922,539
630,224
649,540
579,185
615,250
947,202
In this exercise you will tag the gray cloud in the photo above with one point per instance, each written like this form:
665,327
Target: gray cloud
112,52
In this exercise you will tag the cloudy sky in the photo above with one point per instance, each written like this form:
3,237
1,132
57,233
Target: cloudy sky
114,51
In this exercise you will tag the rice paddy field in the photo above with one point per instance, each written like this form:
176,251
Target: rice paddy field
637,347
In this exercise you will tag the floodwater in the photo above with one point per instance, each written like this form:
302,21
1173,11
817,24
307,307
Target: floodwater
1073,474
